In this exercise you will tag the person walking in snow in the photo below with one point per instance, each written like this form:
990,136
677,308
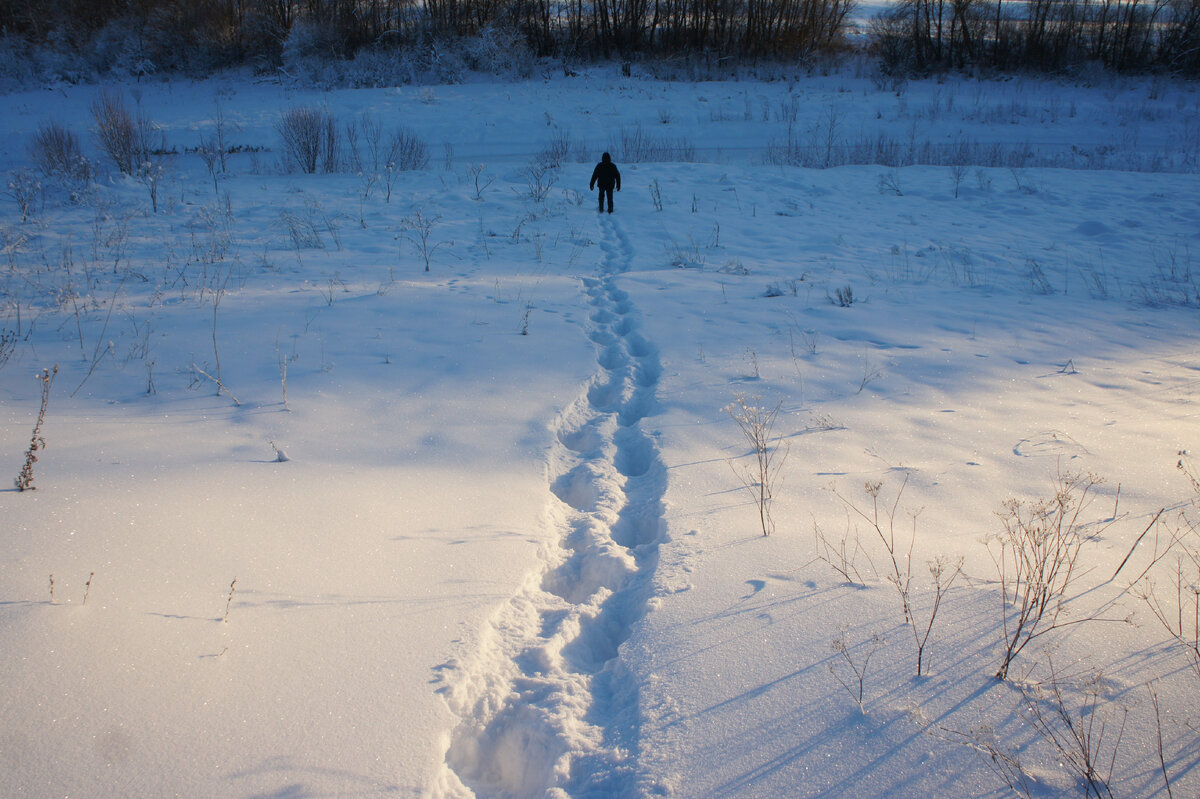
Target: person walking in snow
608,177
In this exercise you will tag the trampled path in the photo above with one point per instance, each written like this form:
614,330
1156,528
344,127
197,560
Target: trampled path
547,706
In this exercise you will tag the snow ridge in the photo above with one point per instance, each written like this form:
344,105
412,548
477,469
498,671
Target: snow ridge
548,708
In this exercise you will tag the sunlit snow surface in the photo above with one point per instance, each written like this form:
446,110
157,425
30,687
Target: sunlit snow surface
507,555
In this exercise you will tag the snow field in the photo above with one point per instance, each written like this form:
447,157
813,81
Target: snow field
507,556
971,395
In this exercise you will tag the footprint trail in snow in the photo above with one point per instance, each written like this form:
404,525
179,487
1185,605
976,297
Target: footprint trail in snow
547,707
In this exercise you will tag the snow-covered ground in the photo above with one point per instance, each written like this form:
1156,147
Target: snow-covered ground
473,529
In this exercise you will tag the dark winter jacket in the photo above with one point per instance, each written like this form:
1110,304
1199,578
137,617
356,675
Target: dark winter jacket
606,174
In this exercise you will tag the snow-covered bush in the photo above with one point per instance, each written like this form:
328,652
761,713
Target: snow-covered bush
375,67
120,50
305,40
57,60
308,52
16,68
499,50
441,60
433,58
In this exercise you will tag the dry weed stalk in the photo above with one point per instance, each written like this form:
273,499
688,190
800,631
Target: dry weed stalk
1080,736
757,424
856,686
943,571
229,600
1037,559
1175,600
24,481
841,555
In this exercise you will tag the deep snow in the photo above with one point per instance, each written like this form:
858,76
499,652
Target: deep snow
507,554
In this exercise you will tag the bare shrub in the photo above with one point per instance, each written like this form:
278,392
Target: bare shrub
26,191
104,346
57,152
126,139
958,172
555,152
539,180
115,130
407,152
889,183
310,139
1174,600
943,572
637,146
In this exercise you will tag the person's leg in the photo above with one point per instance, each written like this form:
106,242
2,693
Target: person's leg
609,192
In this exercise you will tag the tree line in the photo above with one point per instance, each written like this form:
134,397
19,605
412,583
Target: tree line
173,34
1040,35
141,36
